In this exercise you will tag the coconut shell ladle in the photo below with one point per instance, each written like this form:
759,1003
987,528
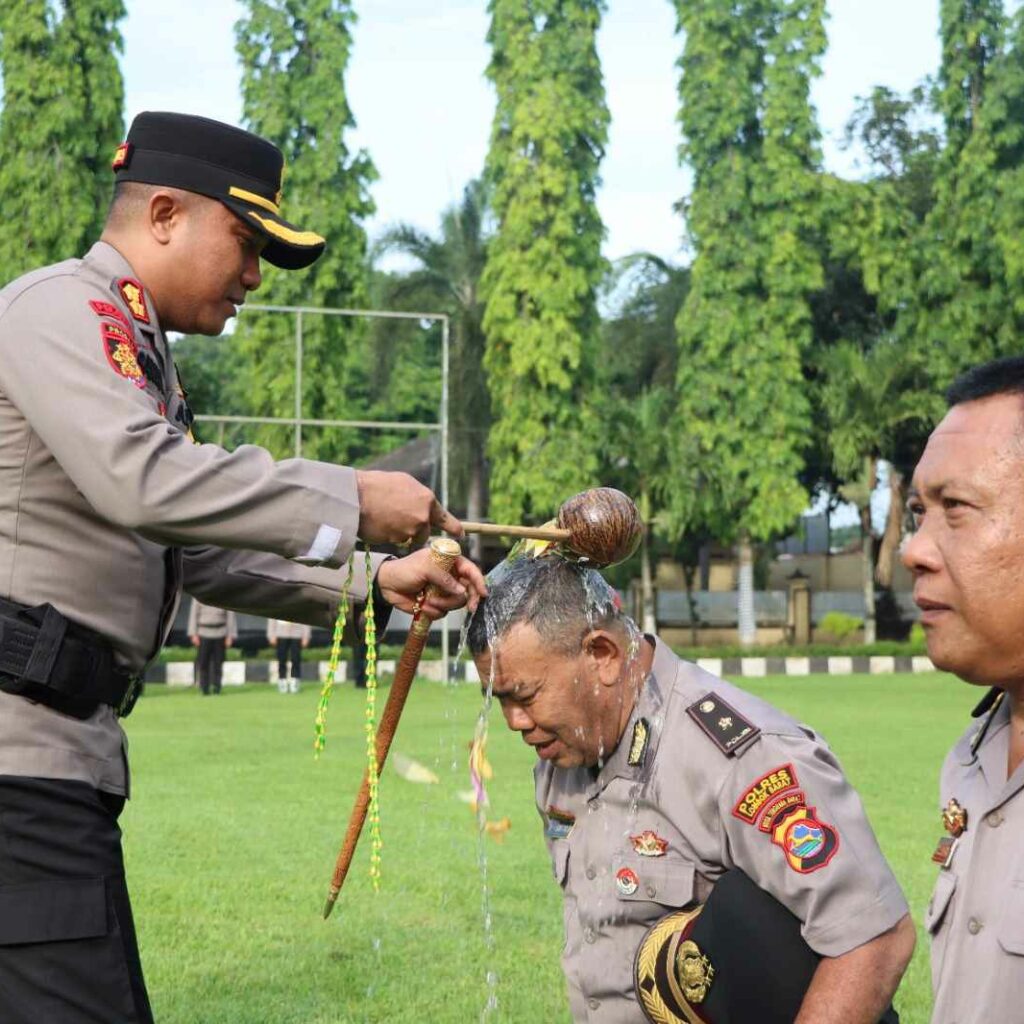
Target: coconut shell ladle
601,525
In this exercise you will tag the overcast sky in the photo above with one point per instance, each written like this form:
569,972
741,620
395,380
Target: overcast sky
417,88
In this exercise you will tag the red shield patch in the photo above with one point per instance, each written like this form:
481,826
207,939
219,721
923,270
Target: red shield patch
101,308
122,353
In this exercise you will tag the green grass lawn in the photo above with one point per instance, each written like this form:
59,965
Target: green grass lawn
233,829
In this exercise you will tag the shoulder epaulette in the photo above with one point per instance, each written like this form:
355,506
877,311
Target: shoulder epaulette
723,724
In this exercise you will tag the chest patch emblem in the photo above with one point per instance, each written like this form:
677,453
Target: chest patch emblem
638,745
122,353
761,792
649,844
943,855
626,881
809,844
954,818
559,823
132,293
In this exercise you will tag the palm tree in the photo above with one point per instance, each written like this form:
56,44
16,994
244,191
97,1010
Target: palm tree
872,399
448,269
638,371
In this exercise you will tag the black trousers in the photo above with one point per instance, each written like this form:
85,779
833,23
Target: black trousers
68,952
210,663
289,650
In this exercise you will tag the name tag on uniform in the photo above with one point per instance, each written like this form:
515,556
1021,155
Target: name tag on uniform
559,823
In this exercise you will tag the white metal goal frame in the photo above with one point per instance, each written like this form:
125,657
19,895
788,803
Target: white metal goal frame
298,421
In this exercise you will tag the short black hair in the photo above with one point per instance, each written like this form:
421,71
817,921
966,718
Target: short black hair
998,377
561,600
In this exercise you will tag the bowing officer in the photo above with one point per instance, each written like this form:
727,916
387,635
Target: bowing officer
656,784
108,510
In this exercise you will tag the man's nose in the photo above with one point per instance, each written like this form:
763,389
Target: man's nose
517,718
252,277
919,553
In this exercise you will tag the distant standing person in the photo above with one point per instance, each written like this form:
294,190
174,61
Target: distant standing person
212,630
290,638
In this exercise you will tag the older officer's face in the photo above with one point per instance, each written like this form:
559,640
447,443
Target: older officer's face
967,554
218,263
568,708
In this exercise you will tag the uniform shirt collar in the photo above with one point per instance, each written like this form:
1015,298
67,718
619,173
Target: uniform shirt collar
649,707
110,264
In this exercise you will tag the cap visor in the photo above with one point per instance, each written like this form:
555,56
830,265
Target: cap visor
288,247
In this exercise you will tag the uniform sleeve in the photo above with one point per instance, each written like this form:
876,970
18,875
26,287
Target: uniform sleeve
793,823
193,618
135,468
264,584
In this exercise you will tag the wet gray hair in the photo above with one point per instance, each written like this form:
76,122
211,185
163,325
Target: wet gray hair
561,600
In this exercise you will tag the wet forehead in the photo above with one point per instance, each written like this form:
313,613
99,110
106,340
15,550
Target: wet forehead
521,660
978,444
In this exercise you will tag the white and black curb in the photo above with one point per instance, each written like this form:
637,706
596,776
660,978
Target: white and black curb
182,673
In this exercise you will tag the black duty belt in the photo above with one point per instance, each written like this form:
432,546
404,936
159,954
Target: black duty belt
46,657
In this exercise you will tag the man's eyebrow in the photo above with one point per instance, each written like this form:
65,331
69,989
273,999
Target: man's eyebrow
939,488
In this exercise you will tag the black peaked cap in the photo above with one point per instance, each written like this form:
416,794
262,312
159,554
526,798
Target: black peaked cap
217,160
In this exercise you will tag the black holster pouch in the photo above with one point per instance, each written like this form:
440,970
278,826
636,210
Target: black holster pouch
46,657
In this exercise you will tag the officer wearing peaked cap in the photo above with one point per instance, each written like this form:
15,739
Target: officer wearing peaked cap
108,510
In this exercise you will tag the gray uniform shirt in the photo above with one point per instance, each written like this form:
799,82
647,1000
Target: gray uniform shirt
641,839
108,510
206,620
976,914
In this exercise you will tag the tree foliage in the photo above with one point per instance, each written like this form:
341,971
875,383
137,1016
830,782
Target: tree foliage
294,54
60,124
544,265
750,138
447,278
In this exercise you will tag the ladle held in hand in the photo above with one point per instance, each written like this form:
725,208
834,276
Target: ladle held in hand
601,525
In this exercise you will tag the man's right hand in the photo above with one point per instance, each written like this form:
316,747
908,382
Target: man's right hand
394,508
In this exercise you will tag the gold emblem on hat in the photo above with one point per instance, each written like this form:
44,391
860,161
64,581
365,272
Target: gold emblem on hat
694,972
954,818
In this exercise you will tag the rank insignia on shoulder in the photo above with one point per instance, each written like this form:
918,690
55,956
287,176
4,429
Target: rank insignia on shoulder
638,745
122,353
761,792
559,823
723,724
649,844
954,818
809,844
132,293
108,309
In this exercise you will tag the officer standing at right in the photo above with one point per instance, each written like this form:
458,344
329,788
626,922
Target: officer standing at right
108,510
967,558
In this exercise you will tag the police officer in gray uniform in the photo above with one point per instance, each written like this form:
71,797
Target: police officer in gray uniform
655,779
211,631
967,557
108,510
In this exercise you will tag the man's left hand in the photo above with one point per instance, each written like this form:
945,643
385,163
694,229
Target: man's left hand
401,580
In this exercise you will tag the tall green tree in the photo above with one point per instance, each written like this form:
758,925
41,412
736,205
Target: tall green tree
60,123
544,265
448,271
961,309
751,140
294,54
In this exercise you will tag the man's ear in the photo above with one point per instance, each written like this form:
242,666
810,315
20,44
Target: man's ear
604,651
165,211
